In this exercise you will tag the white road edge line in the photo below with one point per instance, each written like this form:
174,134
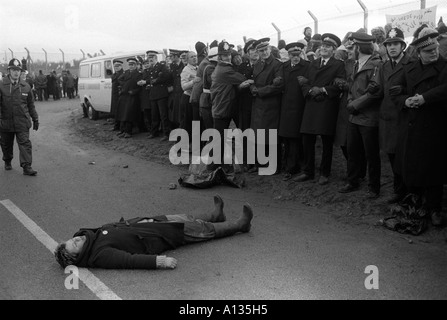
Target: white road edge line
89,279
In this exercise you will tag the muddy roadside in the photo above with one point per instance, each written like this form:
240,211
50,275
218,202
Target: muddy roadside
352,209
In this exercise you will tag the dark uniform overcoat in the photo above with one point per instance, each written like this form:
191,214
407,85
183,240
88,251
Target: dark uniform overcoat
320,117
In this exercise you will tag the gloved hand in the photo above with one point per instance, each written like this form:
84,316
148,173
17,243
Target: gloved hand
254,90
302,80
319,97
395,90
35,125
277,81
315,91
373,87
342,84
164,262
351,109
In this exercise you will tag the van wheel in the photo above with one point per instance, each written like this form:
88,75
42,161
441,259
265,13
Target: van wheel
92,113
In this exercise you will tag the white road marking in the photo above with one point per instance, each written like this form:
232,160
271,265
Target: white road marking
88,278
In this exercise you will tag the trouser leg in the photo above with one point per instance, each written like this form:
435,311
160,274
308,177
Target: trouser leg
7,143
355,150
370,136
326,157
25,148
309,154
220,124
155,115
163,111
292,164
398,182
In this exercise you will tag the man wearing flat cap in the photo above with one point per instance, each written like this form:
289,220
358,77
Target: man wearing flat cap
389,114
17,115
292,108
266,90
129,112
363,107
421,154
321,110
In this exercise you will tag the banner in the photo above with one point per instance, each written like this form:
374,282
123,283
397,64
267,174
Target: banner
410,21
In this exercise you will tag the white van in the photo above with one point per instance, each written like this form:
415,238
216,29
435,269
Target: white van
95,80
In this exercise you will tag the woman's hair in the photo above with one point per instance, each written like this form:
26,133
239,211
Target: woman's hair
63,257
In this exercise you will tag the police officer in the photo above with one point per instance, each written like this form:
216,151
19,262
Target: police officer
158,95
16,112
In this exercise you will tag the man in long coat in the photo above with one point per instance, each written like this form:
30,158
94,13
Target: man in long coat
158,81
389,113
292,109
118,66
421,154
129,108
320,114
267,88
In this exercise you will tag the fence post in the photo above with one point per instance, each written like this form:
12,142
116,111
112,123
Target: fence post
46,60
277,30
315,21
365,15
422,4
28,61
63,59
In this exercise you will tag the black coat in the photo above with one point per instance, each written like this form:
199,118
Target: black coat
145,89
292,105
115,92
128,105
320,117
421,155
128,244
267,103
389,112
159,80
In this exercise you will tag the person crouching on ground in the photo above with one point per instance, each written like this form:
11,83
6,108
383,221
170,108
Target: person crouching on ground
137,243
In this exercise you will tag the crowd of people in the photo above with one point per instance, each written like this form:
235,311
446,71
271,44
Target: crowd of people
54,84
365,93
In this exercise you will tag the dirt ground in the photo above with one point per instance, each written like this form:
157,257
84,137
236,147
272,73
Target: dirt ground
350,208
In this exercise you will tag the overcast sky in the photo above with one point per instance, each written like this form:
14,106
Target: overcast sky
113,25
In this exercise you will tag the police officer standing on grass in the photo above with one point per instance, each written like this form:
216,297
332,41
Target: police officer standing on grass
118,66
321,110
421,95
266,91
292,109
129,112
158,82
17,116
389,113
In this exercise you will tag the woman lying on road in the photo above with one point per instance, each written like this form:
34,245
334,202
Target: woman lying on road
136,243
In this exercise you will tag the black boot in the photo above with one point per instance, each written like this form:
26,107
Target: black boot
28,171
243,224
8,165
217,215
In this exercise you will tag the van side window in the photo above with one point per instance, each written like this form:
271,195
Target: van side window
96,70
83,72
108,69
